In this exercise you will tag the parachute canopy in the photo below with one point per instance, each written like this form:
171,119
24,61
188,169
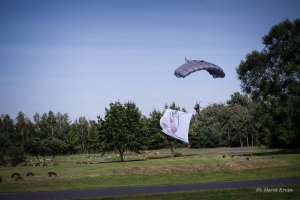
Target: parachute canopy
191,66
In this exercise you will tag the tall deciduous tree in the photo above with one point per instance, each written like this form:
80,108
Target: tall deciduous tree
55,147
24,128
72,140
272,77
120,129
62,125
82,128
6,132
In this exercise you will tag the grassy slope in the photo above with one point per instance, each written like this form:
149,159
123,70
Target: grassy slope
195,168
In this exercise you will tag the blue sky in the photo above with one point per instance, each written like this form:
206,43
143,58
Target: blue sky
76,57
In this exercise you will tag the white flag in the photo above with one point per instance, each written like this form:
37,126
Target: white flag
176,124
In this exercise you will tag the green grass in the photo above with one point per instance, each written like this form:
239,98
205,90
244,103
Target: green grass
245,194
141,171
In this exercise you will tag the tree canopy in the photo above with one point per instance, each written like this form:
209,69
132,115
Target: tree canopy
272,77
121,129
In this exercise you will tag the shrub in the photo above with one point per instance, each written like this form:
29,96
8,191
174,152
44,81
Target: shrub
16,155
206,137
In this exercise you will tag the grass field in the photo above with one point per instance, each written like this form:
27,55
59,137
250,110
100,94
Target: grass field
152,168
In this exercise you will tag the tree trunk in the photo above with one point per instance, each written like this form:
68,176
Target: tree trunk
172,148
121,155
257,142
37,159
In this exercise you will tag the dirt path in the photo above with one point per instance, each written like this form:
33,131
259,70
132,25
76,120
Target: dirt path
150,189
219,150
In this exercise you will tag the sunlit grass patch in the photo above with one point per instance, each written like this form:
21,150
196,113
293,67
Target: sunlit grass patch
192,167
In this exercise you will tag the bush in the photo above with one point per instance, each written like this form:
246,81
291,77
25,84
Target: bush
3,161
16,155
206,137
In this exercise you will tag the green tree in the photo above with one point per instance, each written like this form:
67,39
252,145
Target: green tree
7,133
93,139
156,139
239,99
206,127
35,147
55,147
206,137
6,127
20,132
50,123
24,128
5,144
121,129
82,129
72,140
17,155
62,125
245,111
272,77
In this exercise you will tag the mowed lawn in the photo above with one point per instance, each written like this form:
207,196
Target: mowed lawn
151,168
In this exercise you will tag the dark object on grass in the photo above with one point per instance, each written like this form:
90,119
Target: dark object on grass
52,174
19,178
1,180
224,156
30,174
83,162
55,164
44,165
176,154
247,158
13,175
37,164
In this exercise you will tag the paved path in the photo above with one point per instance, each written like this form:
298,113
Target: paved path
218,150
150,189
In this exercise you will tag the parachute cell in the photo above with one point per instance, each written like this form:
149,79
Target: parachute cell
191,66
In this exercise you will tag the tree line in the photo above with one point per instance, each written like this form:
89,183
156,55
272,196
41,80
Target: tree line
238,122
267,112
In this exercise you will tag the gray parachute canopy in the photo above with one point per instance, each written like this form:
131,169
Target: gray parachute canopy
191,66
